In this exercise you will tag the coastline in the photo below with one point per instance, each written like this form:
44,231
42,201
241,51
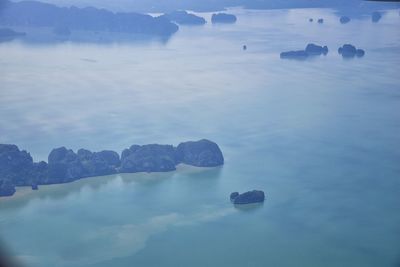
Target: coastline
24,192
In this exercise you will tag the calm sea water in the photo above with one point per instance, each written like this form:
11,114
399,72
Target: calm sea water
320,137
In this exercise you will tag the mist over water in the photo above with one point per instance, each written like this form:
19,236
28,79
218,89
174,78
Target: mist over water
320,137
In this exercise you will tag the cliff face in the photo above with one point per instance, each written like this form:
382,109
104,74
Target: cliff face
64,165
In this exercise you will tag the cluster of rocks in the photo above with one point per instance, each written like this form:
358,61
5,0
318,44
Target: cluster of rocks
350,51
223,18
320,20
64,165
347,51
310,50
255,196
184,18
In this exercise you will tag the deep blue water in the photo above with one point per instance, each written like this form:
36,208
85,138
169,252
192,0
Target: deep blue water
320,137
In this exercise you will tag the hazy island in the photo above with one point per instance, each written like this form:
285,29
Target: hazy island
310,50
184,18
223,18
66,19
64,165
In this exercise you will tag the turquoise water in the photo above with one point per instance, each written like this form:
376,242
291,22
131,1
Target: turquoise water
320,137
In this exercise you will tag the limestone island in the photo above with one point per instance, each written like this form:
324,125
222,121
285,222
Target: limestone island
350,51
223,18
310,50
184,18
255,196
64,165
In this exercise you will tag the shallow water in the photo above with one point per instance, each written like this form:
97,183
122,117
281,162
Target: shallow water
320,137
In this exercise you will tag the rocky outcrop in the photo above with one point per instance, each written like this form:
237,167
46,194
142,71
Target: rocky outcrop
203,153
344,19
148,158
320,21
255,196
309,51
184,18
18,169
223,18
376,16
350,51
316,50
64,165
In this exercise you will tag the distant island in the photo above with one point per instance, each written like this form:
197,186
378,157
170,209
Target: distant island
64,20
7,34
64,165
310,50
184,18
223,18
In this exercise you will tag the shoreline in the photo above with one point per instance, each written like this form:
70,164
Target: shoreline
26,191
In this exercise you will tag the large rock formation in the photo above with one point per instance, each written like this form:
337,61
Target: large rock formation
249,197
184,18
18,169
316,50
203,153
350,51
64,165
148,158
223,18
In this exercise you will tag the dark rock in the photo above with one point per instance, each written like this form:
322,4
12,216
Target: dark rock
249,197
299,55
234,195
350,51
148,158
310,50
310,20
245,47
66,166
202,153
320,21
223,18
34,187
18,169
7,188
360,53
316,50
185,18
376,16
344,19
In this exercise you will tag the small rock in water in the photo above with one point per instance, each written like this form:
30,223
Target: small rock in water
255,196
344,19
320,21
350,51
245,47
376,16
310,20
34,187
